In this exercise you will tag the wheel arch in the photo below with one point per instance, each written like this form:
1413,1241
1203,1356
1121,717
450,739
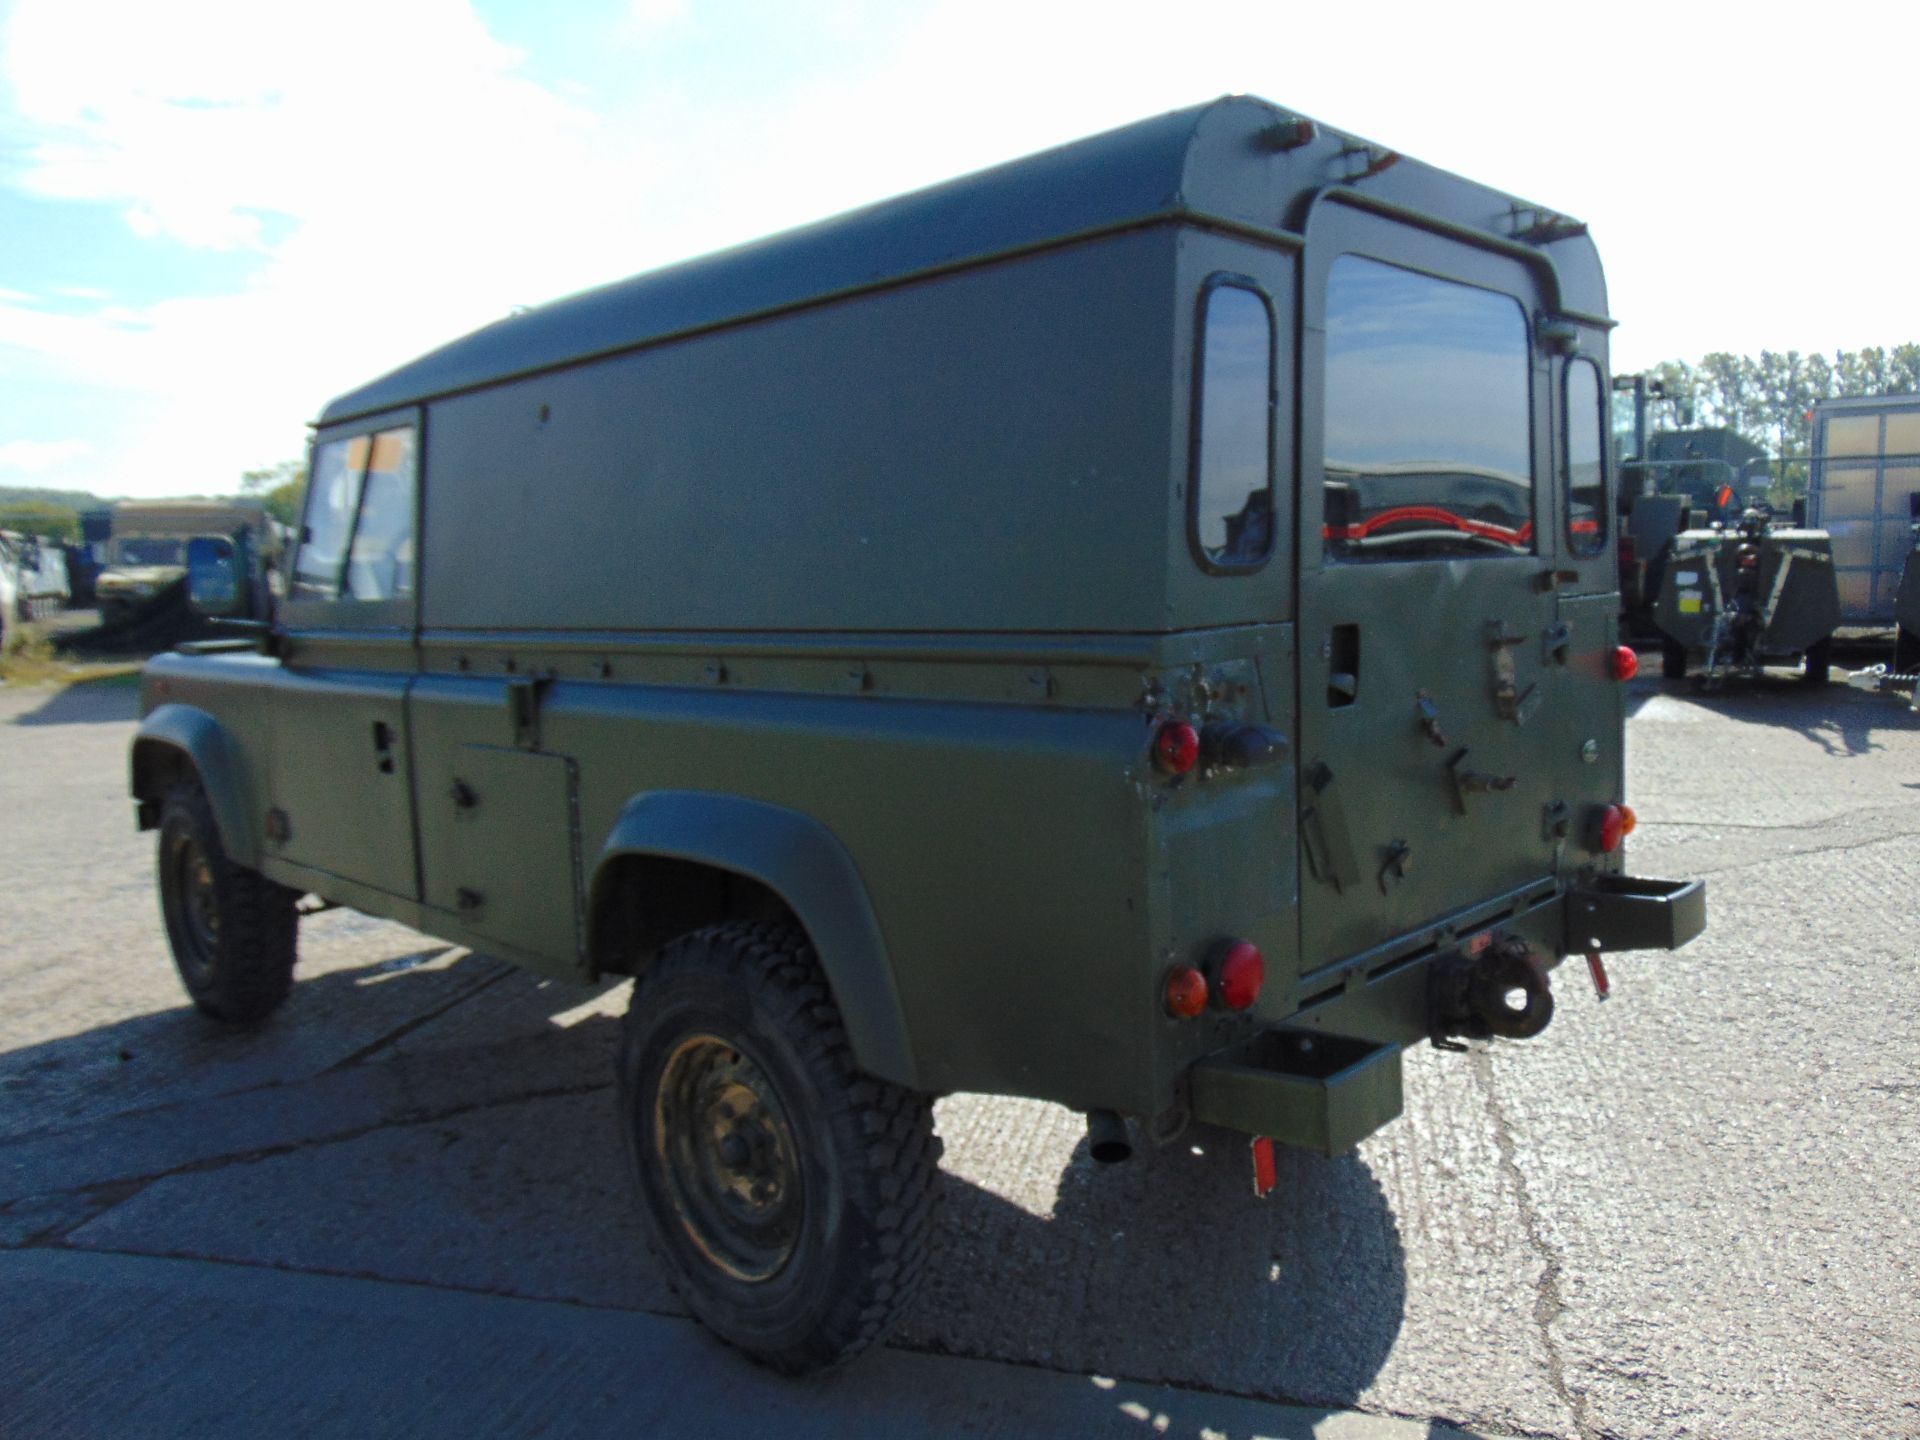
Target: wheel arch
648,878
176,740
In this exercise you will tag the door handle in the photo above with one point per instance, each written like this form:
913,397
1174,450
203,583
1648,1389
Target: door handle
383,746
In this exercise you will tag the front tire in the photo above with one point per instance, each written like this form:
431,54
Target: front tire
233,932
786,1196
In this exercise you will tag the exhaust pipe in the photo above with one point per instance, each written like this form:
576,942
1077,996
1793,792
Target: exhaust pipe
1107,1139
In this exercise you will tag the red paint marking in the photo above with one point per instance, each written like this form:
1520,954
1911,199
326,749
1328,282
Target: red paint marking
1602,986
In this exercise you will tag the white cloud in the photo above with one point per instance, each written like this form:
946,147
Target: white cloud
36,457
425,188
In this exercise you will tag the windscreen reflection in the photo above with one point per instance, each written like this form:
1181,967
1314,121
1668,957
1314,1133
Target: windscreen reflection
1428,435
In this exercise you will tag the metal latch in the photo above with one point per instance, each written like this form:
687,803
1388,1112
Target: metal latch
1473,782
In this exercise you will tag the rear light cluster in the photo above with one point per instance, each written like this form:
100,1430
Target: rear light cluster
1612,825
1238,976
1176,747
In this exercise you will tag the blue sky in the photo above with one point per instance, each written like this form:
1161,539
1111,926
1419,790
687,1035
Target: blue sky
216,214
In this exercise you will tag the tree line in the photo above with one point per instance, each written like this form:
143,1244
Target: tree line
1768,398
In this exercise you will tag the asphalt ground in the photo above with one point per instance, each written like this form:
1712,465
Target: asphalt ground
400,1207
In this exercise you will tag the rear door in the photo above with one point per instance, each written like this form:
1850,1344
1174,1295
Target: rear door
1431,643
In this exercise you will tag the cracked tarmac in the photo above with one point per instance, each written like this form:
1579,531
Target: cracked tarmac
1688,1212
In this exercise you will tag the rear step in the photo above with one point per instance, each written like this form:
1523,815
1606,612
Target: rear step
1320,1092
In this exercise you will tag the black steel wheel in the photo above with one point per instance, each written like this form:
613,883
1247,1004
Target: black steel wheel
1819,662
786,1196
233,932
1673,660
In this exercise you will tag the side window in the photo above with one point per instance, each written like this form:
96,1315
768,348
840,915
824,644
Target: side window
1231,513
1585,471
380,565
1429,449
333,494
357,541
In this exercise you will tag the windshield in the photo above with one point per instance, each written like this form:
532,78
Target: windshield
149,550
1429,447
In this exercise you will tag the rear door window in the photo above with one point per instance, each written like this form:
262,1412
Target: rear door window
1429,437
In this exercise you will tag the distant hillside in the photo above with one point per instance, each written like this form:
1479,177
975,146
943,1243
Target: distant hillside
65,499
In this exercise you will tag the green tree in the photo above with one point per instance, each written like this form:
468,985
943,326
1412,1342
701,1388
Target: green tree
279,488
41,517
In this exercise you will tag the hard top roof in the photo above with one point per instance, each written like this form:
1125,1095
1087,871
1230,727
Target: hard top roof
1868,402
1211,162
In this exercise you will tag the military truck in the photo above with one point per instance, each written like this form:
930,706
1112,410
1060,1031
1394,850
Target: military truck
148,548
1746,597
1677,480
1135,627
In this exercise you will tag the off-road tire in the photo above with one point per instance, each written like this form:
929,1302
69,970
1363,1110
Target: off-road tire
861,1154
233,932
1673,660
1819,663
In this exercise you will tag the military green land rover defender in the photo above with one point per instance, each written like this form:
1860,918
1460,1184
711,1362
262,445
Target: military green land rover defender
1136,627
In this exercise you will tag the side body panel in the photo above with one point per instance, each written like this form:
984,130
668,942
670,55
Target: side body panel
982,451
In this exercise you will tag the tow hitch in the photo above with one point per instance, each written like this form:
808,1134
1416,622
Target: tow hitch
1500,990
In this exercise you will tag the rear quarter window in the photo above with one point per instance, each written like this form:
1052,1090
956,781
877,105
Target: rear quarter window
1231,516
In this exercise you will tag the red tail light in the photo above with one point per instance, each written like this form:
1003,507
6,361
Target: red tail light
1243,970
1186,992
1176,747
1626,664
1610,828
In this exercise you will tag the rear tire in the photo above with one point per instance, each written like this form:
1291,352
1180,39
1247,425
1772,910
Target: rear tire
1673,659
1819,662
787,1197
233,932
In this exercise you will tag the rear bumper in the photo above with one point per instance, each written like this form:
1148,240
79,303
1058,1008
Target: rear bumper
1329,1076
1320,1092
1625,912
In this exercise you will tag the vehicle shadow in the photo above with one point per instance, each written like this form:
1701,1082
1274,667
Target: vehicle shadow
1168,1270
487,1158
1841,721
106,699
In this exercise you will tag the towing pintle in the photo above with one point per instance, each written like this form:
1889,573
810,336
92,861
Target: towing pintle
1500,988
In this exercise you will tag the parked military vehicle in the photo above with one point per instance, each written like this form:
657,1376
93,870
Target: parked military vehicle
1136,627
1746,597
147,551
1865,473
1677,480
33,581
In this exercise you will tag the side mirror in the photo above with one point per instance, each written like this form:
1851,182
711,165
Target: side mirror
213,577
